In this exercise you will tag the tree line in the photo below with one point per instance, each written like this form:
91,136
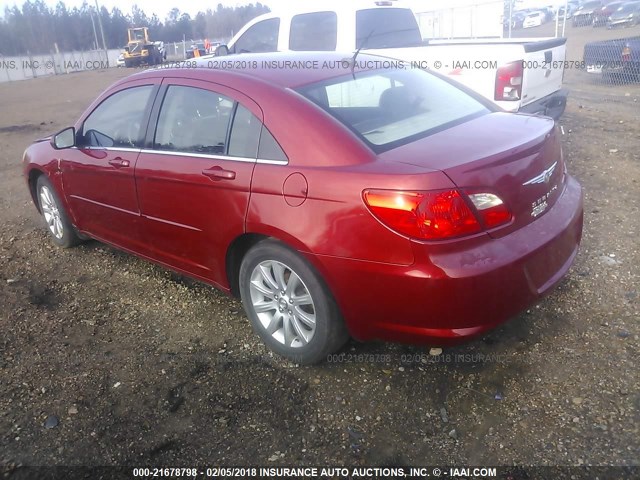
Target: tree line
36,28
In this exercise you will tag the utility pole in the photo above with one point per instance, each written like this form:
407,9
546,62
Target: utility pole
104,44
95,35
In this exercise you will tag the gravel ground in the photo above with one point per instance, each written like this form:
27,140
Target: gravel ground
106,359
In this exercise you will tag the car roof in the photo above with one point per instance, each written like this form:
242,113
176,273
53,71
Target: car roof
284,69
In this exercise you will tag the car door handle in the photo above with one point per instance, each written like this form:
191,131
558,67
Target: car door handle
219,173
119,162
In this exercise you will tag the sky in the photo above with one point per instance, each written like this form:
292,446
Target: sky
162,7
159,7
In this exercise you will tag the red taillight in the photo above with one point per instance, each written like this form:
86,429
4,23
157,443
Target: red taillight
425,215
436,215
626,53
509,82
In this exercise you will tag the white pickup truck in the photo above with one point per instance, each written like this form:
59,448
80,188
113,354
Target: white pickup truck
520,75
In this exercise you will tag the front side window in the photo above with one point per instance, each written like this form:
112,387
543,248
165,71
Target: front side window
388,108
118,120
314,32
193,120
261,37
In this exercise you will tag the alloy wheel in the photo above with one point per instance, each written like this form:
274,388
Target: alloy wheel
51,212
282,303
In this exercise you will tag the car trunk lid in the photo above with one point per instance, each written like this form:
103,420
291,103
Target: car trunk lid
517,157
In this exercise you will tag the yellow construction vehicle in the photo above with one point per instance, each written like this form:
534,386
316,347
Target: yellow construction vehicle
142,51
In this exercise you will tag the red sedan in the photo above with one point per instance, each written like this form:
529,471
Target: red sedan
335,198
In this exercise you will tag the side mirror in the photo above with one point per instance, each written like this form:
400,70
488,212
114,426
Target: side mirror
64,139
222,50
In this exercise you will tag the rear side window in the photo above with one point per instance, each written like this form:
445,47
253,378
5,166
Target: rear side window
193,120
261,37
269,148
314,31
117,121
386,28
245,134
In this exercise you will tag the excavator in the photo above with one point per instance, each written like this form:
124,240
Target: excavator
140,50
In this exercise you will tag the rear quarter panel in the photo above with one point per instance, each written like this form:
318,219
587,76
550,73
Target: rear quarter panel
332,218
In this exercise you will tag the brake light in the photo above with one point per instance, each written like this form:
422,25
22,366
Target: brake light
437,215
626,53
509,81
424,215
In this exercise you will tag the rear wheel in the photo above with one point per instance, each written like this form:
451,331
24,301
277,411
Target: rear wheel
288,304
61,231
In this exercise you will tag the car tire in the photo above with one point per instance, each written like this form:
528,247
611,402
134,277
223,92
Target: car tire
61,230
304,324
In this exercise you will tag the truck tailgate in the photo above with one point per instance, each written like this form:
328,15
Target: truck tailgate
544,63
475,63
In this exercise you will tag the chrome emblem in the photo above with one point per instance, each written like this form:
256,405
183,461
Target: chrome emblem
544,177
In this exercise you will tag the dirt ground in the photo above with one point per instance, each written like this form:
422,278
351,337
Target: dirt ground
142,366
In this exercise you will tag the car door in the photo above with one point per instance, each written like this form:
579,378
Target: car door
97,173
194,176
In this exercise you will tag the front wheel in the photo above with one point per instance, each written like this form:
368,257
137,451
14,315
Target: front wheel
61,231
288,304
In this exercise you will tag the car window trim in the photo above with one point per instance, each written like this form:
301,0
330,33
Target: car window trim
232,121
213,157
108,149
150,133
177,153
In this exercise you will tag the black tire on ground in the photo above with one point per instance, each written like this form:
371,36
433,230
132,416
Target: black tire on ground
47,198
330,331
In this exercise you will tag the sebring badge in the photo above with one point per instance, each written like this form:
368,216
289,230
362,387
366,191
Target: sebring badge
540,205
544,177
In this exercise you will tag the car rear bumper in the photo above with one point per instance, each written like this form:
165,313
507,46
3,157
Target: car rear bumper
449,296
551,106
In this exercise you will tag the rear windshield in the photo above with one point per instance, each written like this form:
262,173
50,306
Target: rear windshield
388,108
387,28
